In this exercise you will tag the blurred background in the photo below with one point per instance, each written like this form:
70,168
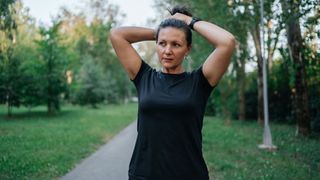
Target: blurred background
59,57
64,56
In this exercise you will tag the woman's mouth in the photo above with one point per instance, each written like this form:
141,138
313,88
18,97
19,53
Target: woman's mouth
167,59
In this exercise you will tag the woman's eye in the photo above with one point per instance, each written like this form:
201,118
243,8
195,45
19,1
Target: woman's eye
176,45
162,43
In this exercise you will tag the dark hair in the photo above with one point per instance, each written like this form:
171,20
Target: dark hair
176,23
180,9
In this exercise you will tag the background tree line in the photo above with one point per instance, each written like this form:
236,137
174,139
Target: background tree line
71,61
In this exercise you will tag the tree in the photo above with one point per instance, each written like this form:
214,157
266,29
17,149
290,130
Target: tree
240,31
249,11
92,44
274,26
239,65
92,84
29,84
292,13
8,64
52,54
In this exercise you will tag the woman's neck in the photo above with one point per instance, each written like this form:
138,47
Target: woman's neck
178,70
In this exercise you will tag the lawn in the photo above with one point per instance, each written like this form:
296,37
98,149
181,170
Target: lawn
231,152
34,145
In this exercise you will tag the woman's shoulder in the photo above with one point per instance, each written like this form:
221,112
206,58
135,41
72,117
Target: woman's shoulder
144,68
196,72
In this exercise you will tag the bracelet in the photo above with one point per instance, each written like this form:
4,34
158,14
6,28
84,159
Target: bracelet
193,21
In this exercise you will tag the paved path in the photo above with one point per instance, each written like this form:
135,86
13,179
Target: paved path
110,162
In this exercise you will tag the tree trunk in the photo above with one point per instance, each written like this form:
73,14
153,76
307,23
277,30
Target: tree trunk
51,109
270,50
295,44
241,76
9,88
242,87
301,97
9,112
256,38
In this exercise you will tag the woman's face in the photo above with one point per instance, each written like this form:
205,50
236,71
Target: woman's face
171,48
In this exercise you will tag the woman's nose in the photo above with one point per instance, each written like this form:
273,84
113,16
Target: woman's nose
168,50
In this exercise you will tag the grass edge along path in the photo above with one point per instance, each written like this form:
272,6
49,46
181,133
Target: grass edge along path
231,152
36,146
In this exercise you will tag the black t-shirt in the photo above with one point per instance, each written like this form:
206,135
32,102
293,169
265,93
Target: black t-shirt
170,118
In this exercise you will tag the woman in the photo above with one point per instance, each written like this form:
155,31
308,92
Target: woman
172,101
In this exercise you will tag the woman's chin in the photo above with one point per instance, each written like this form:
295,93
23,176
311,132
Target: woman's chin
168,66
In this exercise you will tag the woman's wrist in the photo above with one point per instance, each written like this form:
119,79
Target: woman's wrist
193,21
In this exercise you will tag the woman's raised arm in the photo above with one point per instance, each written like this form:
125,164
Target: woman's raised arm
224,42
122,38
218,61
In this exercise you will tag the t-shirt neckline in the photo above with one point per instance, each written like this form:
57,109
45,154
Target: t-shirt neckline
173,75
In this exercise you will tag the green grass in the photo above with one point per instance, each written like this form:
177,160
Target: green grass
231,152
34,145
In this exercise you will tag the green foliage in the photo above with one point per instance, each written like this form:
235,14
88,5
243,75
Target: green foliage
31,86
100,77
34,62
314,104
10,80
222,101
93,84
312,66
37,146
115,80
7,21
53,61
9,76
279,91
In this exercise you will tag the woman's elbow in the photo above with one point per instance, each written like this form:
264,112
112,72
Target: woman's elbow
113,33
231,41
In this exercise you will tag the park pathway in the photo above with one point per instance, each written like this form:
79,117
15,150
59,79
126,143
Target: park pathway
110,162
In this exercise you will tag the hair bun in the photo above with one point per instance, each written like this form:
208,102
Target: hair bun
180,9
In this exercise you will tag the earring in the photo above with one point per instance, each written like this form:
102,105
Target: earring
186,57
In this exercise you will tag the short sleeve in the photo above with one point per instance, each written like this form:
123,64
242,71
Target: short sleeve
143,68
204,81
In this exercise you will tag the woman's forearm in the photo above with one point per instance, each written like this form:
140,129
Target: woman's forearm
134,34
217,36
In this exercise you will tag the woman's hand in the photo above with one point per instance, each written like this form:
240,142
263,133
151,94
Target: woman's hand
182,17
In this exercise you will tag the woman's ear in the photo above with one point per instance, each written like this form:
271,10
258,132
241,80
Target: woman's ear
189,49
